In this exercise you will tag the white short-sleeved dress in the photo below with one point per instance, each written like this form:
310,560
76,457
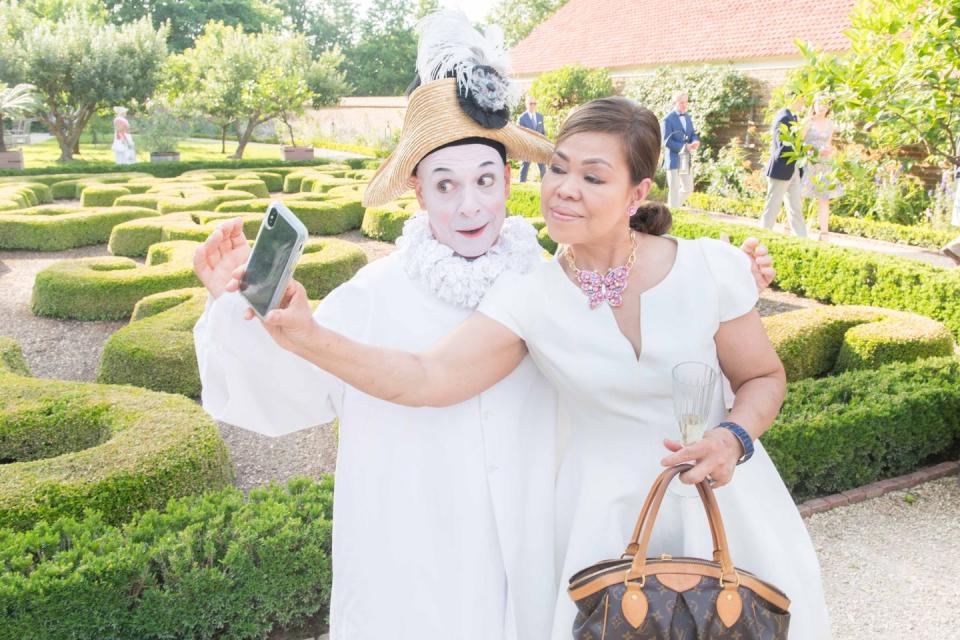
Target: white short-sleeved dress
617,408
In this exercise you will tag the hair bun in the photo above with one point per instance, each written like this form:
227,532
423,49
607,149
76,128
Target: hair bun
653,218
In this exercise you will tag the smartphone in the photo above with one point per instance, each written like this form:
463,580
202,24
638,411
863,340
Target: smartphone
276,251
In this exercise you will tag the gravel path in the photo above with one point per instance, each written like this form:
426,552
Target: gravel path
890,566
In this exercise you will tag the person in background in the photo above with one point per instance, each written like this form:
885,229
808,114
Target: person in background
531,119
783,176
681,140
817,181
123,149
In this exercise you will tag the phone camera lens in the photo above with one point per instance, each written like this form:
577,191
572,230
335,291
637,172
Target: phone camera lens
272,218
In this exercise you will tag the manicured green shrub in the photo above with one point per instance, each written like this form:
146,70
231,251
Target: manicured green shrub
11,357
211,566
821,340
847,276
73,446
200,201
133,239
156,349
163,169
524,200
273,181
102,195
321,217
386,223
254,187
53,228
148,200
108,288
914,235
848,430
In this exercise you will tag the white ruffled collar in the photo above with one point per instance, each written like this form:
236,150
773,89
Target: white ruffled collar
455,279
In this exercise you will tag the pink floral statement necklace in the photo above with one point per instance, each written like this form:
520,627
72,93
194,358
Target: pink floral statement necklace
609,287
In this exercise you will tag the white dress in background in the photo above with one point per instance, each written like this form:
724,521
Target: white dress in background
443,518
617,409
123,149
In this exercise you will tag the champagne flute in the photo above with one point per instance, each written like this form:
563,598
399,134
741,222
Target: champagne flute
694,384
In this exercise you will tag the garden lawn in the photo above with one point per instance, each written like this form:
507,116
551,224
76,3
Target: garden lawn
45,154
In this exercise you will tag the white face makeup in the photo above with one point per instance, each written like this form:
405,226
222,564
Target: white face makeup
464,192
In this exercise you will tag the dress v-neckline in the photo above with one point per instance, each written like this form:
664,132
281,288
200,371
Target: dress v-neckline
635,356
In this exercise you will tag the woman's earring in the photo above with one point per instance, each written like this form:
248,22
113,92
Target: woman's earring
632,211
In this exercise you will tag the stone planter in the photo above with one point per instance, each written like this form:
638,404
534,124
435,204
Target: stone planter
11,159
296,153
165,156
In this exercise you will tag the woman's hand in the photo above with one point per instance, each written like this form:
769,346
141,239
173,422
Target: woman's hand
217,260
714,457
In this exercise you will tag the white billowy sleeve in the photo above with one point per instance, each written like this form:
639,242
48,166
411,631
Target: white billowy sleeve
251,382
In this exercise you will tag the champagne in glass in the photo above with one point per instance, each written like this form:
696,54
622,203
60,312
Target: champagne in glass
693,388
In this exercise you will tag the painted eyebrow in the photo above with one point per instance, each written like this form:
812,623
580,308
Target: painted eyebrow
482,164
563,156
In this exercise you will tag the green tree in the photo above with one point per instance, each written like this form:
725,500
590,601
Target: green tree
59,9
325,23
79,65
717,95
518,18
325,79
243,78
383,59
559,91
900,80
186,18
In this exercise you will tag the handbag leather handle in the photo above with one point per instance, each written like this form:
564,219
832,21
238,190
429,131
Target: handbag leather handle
652,507
634,544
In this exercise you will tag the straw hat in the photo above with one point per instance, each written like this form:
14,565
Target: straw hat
433,119
120,111
461,92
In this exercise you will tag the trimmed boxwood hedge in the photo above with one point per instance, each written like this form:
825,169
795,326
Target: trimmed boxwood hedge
164,169
102,195
821,340
134,238
321,217
255,187
200,201
72,446
844,431
108,288
914,235
213,566
11,357
55,228
156,349
386,223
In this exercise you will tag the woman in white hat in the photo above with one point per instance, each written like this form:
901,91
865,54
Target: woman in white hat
123,149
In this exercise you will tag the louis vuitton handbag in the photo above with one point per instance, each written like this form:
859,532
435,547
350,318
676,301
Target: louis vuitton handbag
665,598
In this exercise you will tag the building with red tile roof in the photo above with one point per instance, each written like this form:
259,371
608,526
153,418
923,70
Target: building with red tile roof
634,37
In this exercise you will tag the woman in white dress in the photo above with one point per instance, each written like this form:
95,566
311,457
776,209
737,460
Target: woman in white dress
609,350
123,149
818,181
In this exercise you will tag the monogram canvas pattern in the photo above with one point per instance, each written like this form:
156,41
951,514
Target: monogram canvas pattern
690,615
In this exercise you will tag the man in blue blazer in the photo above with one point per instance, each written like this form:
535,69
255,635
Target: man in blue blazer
531,119
681,139
783,177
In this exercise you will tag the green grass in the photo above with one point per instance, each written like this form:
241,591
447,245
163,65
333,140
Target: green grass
45,154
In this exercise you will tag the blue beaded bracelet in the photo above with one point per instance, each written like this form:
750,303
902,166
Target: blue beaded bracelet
745,440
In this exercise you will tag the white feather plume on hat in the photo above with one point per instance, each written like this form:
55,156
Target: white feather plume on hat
451,47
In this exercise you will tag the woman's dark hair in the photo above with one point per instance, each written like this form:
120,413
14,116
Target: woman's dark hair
640,131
